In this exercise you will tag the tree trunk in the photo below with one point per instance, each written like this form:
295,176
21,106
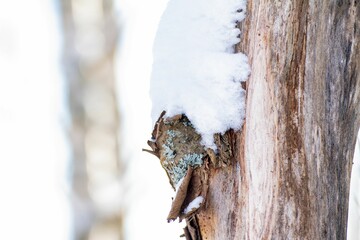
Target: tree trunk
90,34
291,174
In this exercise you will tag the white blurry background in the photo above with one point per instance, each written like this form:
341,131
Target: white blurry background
54,177
149,198
33,152
50,183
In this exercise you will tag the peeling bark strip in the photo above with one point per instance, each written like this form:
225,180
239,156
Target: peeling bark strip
180,196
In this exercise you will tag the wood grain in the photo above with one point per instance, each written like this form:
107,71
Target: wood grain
291,175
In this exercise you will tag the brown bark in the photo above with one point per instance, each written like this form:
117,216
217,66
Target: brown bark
291,174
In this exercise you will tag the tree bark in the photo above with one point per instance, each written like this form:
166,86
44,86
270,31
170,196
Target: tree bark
291,174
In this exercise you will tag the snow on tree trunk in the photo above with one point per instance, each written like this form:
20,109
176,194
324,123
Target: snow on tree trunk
293,157
285,173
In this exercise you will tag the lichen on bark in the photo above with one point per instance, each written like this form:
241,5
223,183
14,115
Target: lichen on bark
178,146
186,161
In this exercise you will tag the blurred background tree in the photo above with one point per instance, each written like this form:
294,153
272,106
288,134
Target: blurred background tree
90,35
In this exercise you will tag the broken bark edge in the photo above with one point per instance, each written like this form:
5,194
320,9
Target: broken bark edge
180,196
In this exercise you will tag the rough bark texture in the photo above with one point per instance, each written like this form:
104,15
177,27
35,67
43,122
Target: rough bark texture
293,157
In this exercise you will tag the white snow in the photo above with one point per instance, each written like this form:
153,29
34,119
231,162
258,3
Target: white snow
33,152
194,204
195,70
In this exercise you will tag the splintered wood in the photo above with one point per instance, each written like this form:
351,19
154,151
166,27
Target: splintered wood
186,162
176,143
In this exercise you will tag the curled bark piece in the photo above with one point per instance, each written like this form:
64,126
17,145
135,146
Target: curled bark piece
151,152
176,206
198,186
155,131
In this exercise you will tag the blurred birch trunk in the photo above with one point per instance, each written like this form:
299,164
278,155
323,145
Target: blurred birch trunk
291,174
90,37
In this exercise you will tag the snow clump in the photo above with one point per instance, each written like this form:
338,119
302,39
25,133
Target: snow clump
195,70
194,204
